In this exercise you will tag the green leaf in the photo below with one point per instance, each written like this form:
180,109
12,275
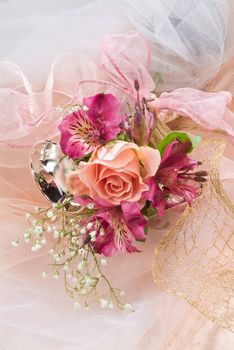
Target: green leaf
148,210
182,136
122,136
111,143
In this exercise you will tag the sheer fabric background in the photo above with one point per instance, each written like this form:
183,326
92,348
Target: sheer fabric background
189,40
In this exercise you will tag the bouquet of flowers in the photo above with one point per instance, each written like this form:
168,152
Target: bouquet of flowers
117,165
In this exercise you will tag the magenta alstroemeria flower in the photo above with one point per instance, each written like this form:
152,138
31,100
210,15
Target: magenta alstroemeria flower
173,172
118,228
81,131
172,178
105,112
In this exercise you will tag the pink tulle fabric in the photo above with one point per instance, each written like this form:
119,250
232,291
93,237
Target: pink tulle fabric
36,313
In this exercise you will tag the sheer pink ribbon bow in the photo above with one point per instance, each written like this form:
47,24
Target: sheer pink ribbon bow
208,109
28,116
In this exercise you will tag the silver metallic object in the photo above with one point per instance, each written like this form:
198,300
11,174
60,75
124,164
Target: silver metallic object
49,167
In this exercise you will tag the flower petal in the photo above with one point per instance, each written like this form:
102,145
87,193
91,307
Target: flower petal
176,152
134,219
79,135
105,112
150,159
155,196
123,236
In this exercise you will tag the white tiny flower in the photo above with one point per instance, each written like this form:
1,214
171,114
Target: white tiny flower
90,206
54,218
103,303
73,233
102,232
27,216
77,226
38,230
128,307
122,293
49,229
27,237
36,247
76,305
93,234
83,230
51,251
50,214
89,225
44,274
103,262
72,221
85,108
72,253
37,208
34,222
88,281
15,243
54,205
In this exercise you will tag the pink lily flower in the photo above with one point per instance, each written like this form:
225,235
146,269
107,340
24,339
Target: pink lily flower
82,131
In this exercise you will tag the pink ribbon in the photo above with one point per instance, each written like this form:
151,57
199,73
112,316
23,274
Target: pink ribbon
208,109
26,115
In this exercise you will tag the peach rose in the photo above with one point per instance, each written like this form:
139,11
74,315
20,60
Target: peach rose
115,173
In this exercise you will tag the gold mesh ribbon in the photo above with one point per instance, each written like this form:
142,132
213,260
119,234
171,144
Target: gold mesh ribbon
196,258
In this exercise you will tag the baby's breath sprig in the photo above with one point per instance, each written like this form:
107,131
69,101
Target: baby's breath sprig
73,257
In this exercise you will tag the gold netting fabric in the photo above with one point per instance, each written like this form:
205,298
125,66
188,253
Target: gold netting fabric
196,258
